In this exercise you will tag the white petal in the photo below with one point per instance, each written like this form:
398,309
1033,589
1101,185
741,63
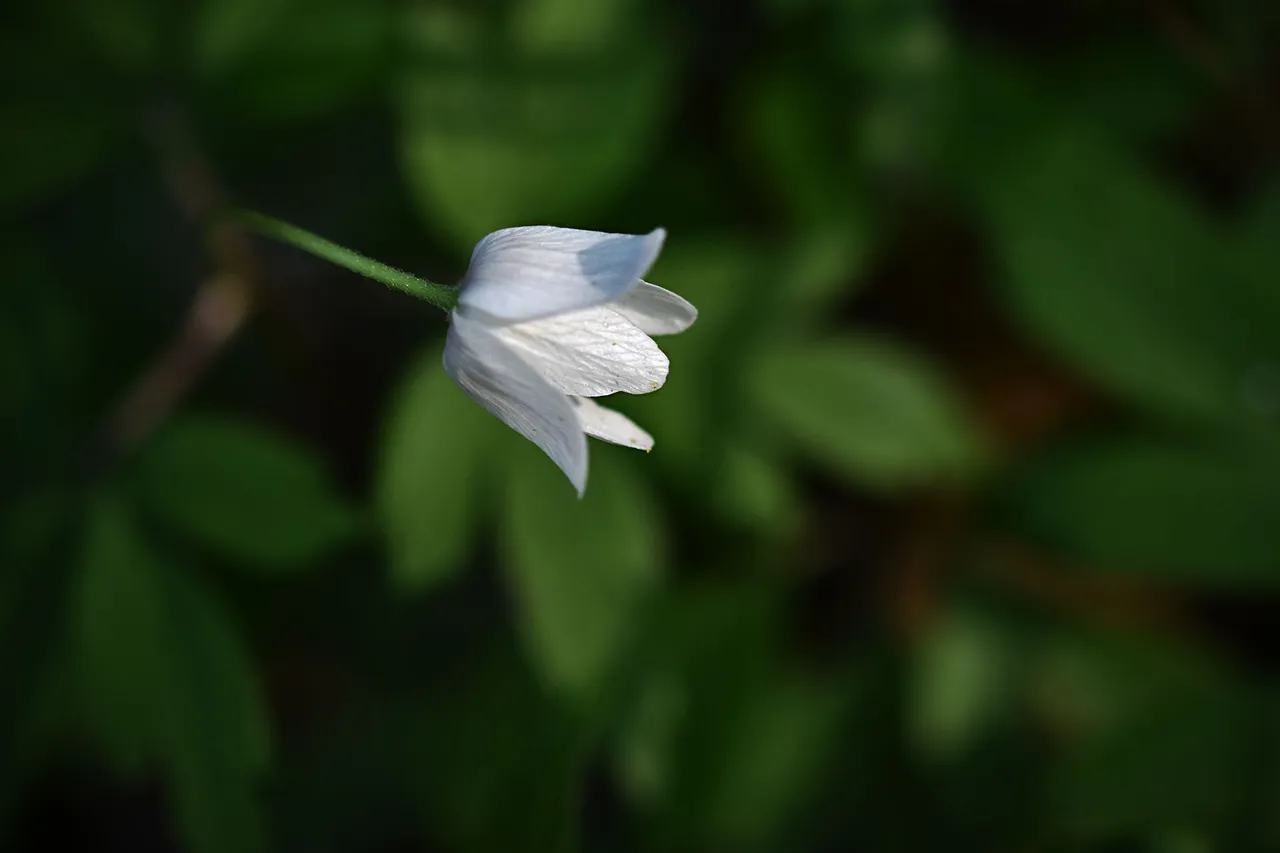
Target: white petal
520,274
608,425
512,391
656,310
589,353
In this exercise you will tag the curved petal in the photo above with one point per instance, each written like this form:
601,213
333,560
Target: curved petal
520,274
608,425
512,391
589,353
655,310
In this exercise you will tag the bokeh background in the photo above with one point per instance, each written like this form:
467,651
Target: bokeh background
962,529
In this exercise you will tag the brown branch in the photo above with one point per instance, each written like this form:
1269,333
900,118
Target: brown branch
220,308
221,305
1109,600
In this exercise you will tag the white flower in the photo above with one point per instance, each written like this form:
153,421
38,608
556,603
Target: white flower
548,318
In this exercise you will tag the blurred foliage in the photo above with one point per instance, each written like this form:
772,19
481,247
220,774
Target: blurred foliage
962,527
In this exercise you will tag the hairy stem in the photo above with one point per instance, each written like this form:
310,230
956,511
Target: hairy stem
445,298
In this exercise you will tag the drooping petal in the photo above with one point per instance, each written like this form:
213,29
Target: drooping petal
589,353
655,310
608,425
520,274
512,391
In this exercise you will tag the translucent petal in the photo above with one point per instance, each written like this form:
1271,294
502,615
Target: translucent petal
589,353
608,425
520,274
655,310
512,391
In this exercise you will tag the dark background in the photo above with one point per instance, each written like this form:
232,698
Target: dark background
962,527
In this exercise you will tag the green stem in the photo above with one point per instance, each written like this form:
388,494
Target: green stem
442,297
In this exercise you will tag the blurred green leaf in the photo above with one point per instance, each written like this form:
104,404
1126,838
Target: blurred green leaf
722,276
778,745
436,455
1194,513
249,494
168,679
37,543
491,136
43,346
1264,792
500,762
1255,257
28,528
551,27
901,50
218,731
894,40
791,124
726,744
126,34
1165,745
962,682
224,30
1118,274
582,571
1137,89
756,492
877,412
822,266
120,615
49,143
60,113
1180,841
290,59
646,738
992,106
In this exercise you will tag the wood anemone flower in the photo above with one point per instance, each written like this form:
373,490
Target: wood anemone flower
549,319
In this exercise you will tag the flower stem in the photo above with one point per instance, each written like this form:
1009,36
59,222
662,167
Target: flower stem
439,295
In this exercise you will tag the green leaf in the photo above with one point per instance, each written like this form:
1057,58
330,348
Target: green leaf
544,130
49,142
757,493
961,684
218,731
1128,764
789,125
557,27
37,550
43,357
725,743
1120,275
775,752
168,680
823,265
290,59
120,622
126,34
1192,513
497,763
1137,89
901,50
648,729
223,31
582,571
721,276
436,453
878,413
991,106
236,488
1255,257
